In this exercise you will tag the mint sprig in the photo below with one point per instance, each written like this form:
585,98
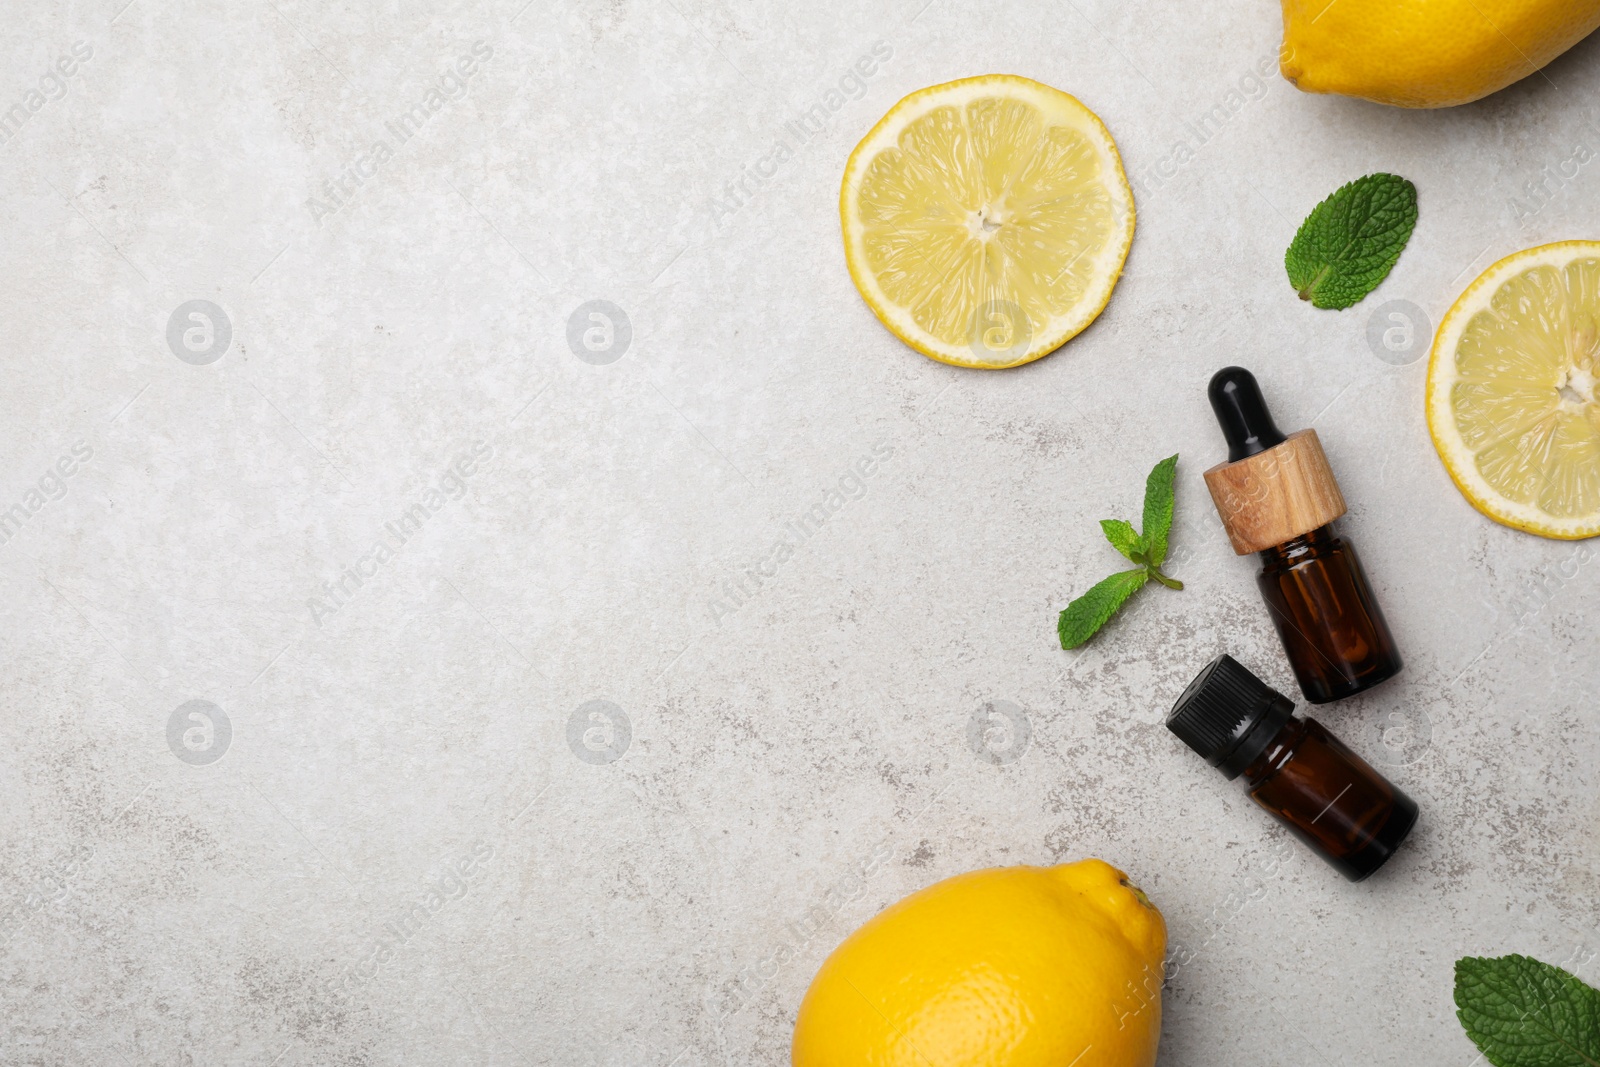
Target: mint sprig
1350,241
1524,1013
1083,617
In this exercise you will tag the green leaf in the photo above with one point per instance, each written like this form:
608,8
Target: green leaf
1085,615
1350,241
1158,493
1124,539
1523,1013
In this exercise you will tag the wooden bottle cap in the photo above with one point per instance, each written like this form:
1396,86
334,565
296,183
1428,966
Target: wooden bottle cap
1276,495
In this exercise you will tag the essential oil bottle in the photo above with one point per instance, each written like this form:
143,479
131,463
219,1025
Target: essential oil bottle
1277,497
1326,795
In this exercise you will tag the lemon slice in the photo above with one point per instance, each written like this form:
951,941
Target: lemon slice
1512,403
986,220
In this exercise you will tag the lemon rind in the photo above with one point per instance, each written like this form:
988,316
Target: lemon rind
1459,462
1109,262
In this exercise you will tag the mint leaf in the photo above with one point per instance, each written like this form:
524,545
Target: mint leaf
1350,241
1124,539
1085,615
1523,1013
1158,493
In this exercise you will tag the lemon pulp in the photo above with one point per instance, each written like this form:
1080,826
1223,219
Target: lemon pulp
986,220
1512,400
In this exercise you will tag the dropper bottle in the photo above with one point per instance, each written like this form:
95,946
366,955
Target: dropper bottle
1277,497
1306,778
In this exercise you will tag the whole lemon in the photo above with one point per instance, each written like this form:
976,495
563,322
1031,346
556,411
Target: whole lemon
1006,967
1426,53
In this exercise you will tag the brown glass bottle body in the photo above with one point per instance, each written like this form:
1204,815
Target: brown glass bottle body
1330,798
1332,628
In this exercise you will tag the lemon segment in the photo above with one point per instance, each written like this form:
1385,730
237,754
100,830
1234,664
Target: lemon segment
1512,397
986,220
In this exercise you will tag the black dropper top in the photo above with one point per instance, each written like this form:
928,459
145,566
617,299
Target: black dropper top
1242,411
1229,716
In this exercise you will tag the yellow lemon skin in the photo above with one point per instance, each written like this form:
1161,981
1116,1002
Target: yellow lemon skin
1513,391
1426,53
1005,967
986,220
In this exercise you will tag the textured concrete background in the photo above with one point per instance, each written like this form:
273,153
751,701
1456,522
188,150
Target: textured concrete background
398,829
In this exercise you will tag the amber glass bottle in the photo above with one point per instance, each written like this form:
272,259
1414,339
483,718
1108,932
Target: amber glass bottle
1328,797
1325,613
1277,497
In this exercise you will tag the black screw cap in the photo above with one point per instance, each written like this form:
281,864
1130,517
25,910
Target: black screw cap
1229,716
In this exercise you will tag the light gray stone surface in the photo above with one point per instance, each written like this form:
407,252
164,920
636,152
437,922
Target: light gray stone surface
790,764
